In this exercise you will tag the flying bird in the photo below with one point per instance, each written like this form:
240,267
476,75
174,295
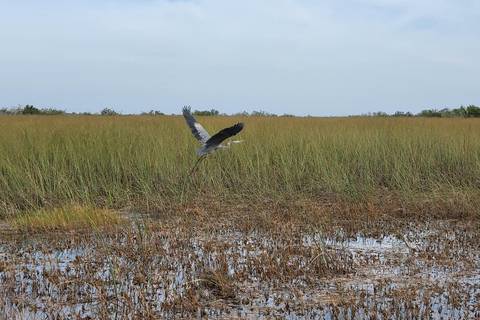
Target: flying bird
210,144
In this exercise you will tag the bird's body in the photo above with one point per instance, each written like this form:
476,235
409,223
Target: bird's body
210,143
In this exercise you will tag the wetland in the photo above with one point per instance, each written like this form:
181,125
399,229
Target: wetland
149,268
340,218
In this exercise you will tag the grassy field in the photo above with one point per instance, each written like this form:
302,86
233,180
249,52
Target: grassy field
412,166
308,218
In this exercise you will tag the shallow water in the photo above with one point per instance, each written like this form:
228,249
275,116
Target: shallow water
429,271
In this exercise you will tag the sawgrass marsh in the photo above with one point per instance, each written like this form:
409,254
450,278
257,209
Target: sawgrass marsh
418,166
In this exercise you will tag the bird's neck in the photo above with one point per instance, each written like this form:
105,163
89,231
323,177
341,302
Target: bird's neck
229,144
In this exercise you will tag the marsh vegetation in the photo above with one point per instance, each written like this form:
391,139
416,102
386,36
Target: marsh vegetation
310,217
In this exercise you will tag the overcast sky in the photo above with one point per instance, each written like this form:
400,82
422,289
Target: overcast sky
301,57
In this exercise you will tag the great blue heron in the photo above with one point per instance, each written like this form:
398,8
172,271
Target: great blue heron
210,144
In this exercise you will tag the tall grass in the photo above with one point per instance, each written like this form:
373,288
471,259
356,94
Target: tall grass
142,162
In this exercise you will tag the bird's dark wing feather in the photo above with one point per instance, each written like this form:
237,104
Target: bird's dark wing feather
198,131
216,139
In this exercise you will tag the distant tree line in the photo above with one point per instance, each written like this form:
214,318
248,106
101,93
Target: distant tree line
470,111
260,113
29,109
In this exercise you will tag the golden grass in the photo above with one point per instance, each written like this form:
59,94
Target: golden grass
65,218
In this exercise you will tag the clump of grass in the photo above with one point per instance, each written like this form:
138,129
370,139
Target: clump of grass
65,218
218,282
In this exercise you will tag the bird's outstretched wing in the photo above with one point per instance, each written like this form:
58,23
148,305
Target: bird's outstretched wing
216,139
198,131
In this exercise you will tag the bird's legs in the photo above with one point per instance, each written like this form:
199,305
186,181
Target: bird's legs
197,163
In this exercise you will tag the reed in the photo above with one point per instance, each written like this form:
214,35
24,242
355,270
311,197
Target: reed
142,162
